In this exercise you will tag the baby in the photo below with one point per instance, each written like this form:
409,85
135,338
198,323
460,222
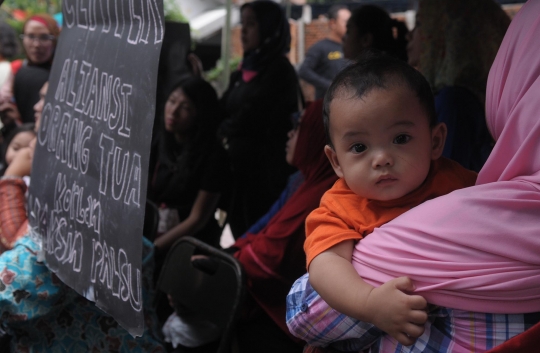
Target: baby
18,139
385,144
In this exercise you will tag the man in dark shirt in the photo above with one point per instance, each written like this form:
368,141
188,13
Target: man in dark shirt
324,59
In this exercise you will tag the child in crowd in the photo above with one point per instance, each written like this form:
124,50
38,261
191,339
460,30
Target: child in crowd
18,139
385,145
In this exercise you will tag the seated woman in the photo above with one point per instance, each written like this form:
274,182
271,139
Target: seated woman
453,46
273,257
192,170
473,254
12,209
39,311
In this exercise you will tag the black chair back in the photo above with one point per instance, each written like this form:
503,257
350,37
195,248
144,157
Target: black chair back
212,291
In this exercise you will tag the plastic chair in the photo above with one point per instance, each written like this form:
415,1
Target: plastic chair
214,292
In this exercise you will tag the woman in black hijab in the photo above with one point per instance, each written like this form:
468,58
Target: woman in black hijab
191,172
262,95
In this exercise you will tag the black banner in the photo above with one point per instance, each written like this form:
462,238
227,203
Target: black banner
89,176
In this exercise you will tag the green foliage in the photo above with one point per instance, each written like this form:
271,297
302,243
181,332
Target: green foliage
16,25
215,73
173,12
14,12
33,6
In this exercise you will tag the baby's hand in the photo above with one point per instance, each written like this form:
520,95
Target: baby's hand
400,315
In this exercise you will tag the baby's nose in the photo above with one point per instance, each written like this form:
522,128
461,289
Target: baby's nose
382,159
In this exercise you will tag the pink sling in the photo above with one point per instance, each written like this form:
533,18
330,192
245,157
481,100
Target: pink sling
478,249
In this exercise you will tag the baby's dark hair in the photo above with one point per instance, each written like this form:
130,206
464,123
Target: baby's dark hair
377,70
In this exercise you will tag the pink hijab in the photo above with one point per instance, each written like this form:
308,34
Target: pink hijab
478,249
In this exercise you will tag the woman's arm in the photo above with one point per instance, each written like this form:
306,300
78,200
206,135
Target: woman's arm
203,208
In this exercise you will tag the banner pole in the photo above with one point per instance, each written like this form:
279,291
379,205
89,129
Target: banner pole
226,47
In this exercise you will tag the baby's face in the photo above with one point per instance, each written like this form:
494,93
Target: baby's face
383,144
20,141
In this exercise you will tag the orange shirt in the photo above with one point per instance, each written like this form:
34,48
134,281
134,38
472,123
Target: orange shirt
343,215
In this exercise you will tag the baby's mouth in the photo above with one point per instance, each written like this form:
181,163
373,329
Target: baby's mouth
385,179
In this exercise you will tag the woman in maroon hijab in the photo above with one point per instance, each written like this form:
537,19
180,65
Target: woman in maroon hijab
274,257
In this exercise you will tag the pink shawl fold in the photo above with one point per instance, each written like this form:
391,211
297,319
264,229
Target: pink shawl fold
478,249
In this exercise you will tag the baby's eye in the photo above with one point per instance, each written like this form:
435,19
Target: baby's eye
402,139
358,148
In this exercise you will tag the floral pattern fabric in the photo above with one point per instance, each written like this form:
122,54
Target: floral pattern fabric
44,315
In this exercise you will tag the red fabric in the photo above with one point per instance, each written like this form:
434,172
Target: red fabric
247,75
15,66
274,258
39,19
46,20
13,221
343,215
526,342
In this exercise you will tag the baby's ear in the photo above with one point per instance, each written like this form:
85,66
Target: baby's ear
438,138
332,157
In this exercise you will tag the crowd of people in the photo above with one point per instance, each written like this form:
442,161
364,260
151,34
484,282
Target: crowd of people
408,189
